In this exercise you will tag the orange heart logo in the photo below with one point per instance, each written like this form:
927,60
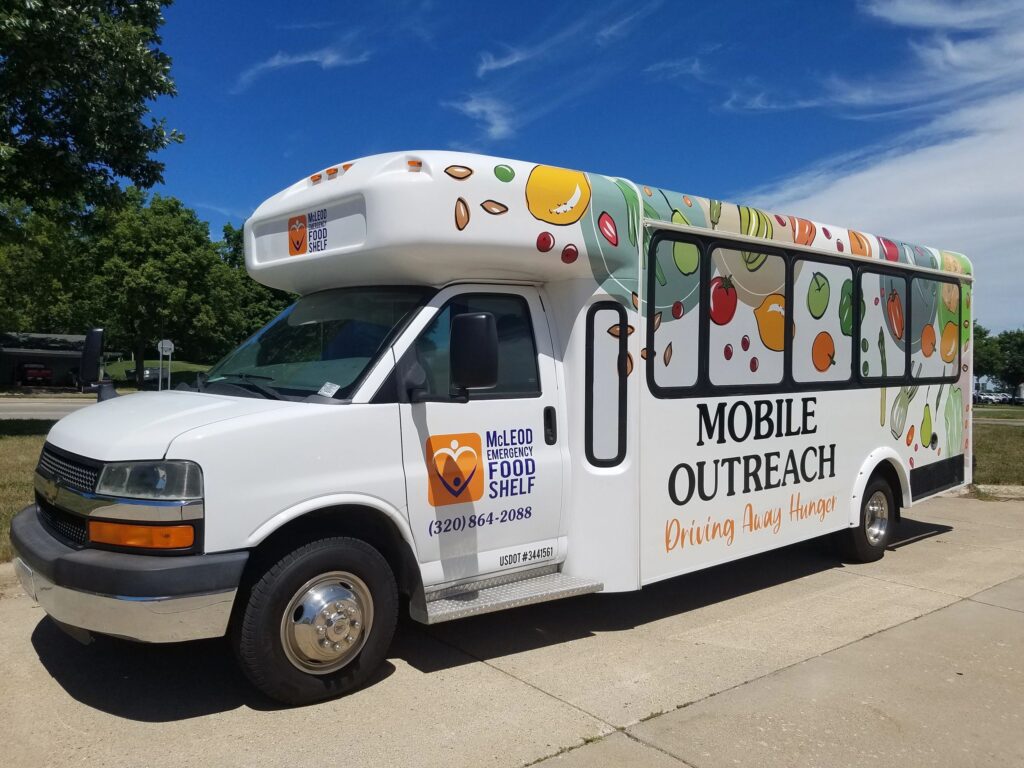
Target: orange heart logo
297,235
453,467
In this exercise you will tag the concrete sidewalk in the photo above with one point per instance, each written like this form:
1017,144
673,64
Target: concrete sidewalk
789,658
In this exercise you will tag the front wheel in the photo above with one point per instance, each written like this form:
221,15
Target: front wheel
318,622
867,542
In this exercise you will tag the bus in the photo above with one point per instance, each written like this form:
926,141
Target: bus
503,383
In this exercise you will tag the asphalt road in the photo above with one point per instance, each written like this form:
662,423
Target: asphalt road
789,658
41,407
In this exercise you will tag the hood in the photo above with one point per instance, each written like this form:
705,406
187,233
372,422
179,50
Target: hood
142,425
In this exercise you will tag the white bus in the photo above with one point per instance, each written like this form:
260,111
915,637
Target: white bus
503,383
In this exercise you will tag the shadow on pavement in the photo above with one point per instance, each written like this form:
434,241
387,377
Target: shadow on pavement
159,683
152,682
505,633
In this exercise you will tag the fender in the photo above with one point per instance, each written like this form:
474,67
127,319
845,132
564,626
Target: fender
333,500
875,458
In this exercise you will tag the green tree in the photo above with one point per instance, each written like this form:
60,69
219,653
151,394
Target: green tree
988,356
159,276
1011,344
76,82
256,303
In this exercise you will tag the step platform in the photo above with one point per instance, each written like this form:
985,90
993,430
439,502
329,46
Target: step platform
500,592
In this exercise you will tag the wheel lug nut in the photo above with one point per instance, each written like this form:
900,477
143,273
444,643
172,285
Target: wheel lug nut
337,646
349,638
321,630
356,625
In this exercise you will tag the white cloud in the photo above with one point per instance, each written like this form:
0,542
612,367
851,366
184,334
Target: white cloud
328,57
672,69
965,51
950,185
491,63
616,29
494,115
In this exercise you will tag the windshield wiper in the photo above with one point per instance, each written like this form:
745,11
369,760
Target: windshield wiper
251,380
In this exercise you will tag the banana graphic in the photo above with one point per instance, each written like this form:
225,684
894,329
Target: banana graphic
754,223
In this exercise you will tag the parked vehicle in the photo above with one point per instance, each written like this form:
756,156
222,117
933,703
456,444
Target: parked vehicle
26,374
503,383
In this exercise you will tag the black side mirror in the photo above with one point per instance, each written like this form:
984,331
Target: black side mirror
474,351
92,352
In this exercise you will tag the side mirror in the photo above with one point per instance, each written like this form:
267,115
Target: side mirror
474,351
92,352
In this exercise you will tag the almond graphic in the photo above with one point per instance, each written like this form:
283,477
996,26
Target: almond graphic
459,172
493,207
461,214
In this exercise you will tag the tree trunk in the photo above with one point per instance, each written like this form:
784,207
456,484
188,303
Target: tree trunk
140,362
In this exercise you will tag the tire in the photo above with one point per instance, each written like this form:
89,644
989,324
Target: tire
867,541
338,591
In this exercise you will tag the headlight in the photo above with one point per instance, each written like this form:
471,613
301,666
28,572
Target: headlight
161,480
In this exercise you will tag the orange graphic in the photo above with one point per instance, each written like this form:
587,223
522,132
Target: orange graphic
454,469
297,235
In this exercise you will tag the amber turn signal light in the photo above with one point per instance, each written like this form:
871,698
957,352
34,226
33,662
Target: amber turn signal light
142,536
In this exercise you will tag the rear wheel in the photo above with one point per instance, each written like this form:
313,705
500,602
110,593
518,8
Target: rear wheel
867,541
318,622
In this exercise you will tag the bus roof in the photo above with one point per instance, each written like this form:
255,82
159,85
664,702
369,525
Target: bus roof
435,217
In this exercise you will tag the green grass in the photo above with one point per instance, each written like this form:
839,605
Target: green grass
119,370
999,412
21,440
998,454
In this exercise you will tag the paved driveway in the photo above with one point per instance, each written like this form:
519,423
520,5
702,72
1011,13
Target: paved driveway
787,658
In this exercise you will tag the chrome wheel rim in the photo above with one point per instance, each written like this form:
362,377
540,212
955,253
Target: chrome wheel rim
876,518
326,622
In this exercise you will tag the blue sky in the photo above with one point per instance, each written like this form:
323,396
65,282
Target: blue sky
901,117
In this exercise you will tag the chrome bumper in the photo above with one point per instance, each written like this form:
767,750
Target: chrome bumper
148,619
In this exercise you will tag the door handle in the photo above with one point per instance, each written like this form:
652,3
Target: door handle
550,425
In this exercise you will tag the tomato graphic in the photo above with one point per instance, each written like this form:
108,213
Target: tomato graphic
823,352
894,313
723,300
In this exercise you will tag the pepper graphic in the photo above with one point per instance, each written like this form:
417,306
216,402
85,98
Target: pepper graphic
894,312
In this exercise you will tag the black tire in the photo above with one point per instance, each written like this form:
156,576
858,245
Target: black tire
257,638
866,543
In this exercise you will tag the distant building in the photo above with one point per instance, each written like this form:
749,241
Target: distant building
59,353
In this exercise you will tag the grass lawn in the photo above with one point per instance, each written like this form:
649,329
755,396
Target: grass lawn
998,454
119,370
999,411
21,440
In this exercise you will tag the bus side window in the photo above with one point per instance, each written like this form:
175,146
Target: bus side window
746,297
823,322
673,315
935,331
883,331
605,382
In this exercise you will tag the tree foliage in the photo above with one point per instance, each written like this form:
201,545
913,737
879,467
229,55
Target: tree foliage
143,270
987,354
1011,345
76,80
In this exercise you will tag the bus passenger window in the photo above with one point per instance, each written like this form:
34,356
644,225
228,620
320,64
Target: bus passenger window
605,382
673,314
883,332
746,303
822,322
935,331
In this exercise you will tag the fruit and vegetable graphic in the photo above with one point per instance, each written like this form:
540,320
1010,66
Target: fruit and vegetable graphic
557,195
859,244
948,343
894,314
823,352
818,295
722,300
901,407
928,340
803,230
754,223
953,417
771,321
926,425
846,308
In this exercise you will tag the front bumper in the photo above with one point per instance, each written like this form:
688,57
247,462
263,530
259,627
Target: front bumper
140,597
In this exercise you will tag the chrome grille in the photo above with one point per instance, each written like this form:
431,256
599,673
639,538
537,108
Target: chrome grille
71,528
73,474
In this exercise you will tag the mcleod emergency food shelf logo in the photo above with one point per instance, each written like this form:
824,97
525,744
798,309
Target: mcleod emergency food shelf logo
454,469
297,235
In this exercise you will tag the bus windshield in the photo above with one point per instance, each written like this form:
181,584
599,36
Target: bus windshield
320,344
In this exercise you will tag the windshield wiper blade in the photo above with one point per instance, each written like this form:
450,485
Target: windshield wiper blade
249,378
